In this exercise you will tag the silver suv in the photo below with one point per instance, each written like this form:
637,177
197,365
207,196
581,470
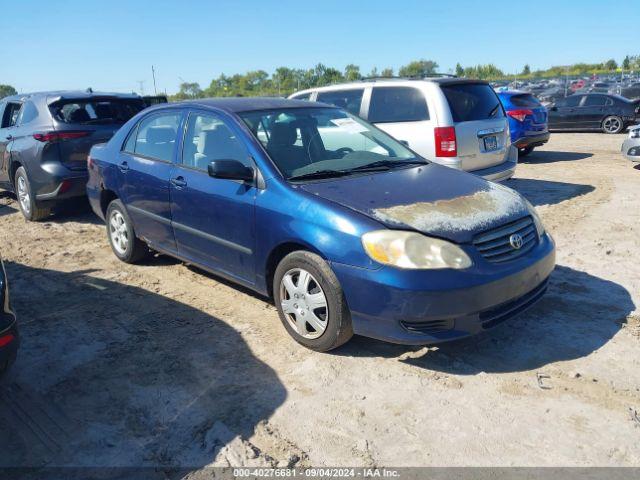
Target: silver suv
456,122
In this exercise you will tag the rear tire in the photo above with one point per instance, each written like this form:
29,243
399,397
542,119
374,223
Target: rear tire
315,312
612,124
122,237
523,152
32,210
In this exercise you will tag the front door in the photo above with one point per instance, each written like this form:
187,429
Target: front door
213,219
146,164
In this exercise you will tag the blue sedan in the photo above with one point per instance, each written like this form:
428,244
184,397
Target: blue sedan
528,120
344,227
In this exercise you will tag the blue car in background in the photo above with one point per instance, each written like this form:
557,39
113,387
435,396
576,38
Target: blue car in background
528,120
347,229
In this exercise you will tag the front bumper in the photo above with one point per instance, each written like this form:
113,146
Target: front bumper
631,149
420,307
532,140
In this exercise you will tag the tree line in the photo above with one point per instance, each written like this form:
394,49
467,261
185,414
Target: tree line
284,80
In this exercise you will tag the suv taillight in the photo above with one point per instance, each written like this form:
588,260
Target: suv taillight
445,142
55,136
520,114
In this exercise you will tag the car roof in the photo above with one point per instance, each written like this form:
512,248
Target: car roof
248,104
53,96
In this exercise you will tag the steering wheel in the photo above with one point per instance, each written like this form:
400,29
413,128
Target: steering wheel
343,151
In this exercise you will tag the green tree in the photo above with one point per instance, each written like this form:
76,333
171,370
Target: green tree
526,70
418,68
626,63
387,73
189,90
352,73
7,90
611,64
459,70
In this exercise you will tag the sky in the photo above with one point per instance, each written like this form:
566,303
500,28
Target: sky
111,45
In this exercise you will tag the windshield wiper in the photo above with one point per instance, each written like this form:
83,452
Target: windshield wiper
388,164
320,174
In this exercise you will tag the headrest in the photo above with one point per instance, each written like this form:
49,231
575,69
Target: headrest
79,115
161,134
282,135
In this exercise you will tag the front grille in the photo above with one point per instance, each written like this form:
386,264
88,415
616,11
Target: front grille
495,246
431,326
496,315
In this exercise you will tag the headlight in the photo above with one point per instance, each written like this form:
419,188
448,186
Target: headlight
635,133
412,250
536,218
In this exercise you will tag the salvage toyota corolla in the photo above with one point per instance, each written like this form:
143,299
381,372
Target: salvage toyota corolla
347,229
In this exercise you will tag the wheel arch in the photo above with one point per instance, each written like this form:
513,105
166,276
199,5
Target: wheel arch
106,197
278,253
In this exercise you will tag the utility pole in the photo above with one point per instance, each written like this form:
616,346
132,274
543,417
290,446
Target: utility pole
153,72
141,83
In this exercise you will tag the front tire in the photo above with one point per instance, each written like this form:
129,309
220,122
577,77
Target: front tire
122,237
612,124
311,303
32,210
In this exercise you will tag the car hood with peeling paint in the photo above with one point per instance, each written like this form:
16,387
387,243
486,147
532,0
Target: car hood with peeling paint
431,199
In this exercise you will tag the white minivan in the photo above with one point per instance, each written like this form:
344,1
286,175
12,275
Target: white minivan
457,122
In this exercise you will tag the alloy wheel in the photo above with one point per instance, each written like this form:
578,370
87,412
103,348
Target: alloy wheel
23,195
118,232
304,303
612,125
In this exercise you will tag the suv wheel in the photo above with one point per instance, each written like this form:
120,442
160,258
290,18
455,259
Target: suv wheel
310,302
122,237
32,210
612,124
523,152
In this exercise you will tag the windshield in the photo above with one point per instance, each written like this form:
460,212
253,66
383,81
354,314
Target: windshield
306,142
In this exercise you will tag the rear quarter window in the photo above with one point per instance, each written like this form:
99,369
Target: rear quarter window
472,101
397,104
526,101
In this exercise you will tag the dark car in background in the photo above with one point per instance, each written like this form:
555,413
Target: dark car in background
594,111
45,139
527,120
8,329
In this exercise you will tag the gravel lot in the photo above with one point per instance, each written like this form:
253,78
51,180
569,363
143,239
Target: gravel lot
163,365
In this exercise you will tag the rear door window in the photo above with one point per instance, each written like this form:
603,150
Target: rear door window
397,104
350,100
28,113
525,101
156,136
595,101
472,101
96,111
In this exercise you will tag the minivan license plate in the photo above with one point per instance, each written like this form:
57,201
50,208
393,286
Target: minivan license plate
490,143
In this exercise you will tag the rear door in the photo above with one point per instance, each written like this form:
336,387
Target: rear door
403,113
9,112
592,110
88,121
146,163
482,132
213,218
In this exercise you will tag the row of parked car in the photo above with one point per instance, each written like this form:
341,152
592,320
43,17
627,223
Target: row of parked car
350,226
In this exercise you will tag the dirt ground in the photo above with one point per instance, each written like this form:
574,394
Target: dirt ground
161,364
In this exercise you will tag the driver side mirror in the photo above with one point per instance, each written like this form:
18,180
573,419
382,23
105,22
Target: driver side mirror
230,170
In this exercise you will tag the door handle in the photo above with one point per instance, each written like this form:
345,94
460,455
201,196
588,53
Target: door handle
179,182
9,137
124,166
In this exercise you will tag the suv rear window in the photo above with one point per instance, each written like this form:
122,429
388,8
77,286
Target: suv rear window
472,101
96,111
397,104
525,100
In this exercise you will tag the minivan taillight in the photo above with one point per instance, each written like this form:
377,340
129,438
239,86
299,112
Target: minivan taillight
56,136
445,142
519,114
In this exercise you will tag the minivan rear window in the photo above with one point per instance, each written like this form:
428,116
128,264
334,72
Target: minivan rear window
526,100
472,101
96,111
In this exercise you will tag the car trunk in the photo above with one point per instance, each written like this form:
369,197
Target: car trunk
482,133
81,123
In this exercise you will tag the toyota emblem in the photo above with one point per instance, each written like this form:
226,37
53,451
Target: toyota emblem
516,241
